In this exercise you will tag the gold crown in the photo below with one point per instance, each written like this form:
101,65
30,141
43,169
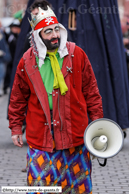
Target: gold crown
42,14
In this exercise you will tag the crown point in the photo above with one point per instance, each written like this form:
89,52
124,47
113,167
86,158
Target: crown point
43,14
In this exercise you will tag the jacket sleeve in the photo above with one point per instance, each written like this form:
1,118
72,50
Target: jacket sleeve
91,91
18,100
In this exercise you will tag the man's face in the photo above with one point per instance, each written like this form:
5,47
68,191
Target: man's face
35,11
51,37
15,29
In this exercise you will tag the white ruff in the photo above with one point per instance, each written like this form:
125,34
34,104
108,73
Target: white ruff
41,48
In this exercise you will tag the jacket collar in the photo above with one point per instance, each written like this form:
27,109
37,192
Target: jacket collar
36,80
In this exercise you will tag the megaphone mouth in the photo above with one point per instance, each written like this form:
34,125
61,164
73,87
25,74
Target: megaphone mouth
109,129
104,147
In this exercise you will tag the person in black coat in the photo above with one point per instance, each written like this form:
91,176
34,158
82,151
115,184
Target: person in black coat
12,41
5,57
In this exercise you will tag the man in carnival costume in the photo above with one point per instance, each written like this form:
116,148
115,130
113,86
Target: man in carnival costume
55,82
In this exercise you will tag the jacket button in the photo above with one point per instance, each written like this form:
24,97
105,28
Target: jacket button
45,123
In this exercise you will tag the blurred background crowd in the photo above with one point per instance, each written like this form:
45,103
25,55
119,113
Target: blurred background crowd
100,28
124,19
11,15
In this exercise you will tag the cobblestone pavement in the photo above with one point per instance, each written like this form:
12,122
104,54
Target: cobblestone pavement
112,179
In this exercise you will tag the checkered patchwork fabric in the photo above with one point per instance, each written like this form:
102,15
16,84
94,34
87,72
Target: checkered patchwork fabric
69,168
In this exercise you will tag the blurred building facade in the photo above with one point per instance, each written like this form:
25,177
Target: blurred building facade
9,7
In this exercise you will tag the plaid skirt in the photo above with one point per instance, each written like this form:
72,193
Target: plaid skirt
69,168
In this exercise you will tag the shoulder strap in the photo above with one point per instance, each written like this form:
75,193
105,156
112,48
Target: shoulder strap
27,53
71,47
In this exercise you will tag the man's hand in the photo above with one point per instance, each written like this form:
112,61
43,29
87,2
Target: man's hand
17,140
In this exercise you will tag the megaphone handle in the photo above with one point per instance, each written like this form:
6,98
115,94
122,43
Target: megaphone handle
104,164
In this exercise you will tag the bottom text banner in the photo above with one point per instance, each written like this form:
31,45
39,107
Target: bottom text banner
45,189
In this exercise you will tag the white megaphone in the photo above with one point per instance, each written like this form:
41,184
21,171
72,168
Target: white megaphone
103,138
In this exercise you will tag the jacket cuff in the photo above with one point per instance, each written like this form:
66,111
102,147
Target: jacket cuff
16,131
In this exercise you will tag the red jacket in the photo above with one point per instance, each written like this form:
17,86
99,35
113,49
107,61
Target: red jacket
69,111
